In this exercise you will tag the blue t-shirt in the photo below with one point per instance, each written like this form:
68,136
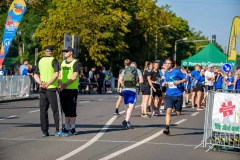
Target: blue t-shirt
25,72
195,74
200,79
219,83
238,84
170,77
231,80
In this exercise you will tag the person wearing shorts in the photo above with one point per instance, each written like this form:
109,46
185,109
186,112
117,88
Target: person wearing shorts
145,88
68,81
156,91
130,96
193,75
119,89
174,79
199,83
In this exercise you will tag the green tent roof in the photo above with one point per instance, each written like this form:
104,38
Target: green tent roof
208,55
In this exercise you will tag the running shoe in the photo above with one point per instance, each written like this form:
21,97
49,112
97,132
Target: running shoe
127,125
166,131
200,109
45,134
156,113
65,130
162,111
117,114
73,131
61,134
145,116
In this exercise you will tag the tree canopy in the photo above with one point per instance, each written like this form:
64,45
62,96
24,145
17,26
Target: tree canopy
109,30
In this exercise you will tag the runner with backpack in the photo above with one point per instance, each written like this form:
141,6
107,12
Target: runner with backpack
119,89
128,78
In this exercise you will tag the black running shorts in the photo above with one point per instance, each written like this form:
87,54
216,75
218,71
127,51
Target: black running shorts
68,99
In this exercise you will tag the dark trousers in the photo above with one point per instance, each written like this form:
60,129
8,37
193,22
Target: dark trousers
100,86
47,98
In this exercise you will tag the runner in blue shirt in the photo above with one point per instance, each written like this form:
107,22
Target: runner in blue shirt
174,93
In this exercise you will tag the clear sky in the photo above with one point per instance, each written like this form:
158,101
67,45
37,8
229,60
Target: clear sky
208,16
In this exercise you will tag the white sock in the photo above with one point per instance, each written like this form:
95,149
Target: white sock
67,126
72,126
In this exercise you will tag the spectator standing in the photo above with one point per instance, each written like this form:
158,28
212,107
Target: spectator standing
209,79
23,66
68,81
229,81
46,76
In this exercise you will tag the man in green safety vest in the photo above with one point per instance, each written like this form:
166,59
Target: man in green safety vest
46,76
68,81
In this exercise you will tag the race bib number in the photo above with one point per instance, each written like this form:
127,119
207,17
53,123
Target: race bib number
171,85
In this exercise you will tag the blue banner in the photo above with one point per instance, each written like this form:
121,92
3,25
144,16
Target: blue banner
15,14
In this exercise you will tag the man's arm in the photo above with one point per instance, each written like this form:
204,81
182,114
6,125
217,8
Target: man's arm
235,82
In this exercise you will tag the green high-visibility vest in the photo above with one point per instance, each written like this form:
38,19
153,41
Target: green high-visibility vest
47,71
67,72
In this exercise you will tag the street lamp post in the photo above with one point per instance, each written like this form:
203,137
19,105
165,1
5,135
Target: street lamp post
184,40
156,40
175,47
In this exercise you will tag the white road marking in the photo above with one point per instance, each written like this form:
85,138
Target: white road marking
137,144
115,154
93,140
86,140
181,121
194,114
102,99
12,116
84,102
2,119
34,111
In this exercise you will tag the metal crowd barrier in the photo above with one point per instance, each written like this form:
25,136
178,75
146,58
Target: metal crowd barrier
14,87
222,121
84,84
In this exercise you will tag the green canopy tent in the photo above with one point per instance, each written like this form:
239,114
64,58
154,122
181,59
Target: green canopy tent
208,55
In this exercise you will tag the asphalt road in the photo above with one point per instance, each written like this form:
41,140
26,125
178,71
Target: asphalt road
101,135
